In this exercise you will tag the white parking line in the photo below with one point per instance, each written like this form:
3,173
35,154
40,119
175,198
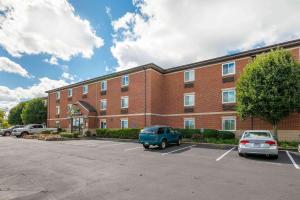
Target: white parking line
110,145
292,160
133,148
223,155
177,150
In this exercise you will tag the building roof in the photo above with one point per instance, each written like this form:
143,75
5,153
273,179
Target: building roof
203,63
87,106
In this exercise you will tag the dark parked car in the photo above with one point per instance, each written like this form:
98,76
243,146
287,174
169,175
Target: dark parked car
8,131
159,135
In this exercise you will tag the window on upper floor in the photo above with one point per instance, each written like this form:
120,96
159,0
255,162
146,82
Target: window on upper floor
229,123
125,80
228,96
189,99
103,104
189,75
57,110
69,107
124,102
228,68
58,95
189,123
85,89
103,85
124,123
70,92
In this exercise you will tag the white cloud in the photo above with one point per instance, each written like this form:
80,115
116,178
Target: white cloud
68,77
52,60
6,65
170,33
11,97
45,26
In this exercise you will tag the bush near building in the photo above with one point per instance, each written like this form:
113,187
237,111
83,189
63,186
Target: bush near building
129,133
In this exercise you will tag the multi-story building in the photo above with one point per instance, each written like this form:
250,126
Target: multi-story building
197,95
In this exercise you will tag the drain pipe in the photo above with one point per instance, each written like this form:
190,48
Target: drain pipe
145,96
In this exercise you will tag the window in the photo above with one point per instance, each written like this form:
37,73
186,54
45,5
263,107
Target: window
70,92
103,85
57,124
125,81
85,89
69,107
124,123
103,123
103,104
228,68
189,123
57,110
189,99
228,96
124,102
189,75
229,123
58,95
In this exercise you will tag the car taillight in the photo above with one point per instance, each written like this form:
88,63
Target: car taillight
269,142
244,141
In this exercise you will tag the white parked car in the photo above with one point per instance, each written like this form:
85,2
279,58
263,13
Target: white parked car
31,129
258,142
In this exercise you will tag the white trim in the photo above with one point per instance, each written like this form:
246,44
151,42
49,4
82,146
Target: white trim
227,63
83,92
57,108
189,70
123,120
229,118
189,94
101,85
122,80
70,89
103,100
186,119
228,90
57,95
125,97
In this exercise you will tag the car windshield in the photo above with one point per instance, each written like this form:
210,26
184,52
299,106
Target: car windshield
257,135
149,130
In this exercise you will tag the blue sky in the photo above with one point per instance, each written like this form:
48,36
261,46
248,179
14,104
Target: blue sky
46,44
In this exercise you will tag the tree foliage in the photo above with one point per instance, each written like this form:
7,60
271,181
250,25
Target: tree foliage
269,87
34,111
14,116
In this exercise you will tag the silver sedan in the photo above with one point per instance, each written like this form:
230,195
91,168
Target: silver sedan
258,142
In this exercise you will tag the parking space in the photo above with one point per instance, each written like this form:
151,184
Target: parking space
104,169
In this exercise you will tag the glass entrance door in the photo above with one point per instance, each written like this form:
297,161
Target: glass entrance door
77,124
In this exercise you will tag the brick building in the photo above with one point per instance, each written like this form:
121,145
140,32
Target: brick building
197,95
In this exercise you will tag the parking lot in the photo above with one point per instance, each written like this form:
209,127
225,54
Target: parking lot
102,169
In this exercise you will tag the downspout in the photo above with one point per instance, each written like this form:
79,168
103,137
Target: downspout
145,102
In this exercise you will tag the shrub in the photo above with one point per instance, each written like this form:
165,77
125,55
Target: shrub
210,133
288,144
88,133
188,133
69,135
46,132
196,136
226,135
129,133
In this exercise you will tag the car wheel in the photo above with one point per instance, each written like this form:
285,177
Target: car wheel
242,154
178,142
7,133
24,134
163,144
146,146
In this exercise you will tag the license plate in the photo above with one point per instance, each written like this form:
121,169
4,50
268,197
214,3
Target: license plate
256,145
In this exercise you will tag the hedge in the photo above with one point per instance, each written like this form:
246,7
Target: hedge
133,133
69,135
128,133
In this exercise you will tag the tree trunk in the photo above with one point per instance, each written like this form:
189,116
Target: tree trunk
275,127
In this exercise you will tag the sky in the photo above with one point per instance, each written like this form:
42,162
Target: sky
45,44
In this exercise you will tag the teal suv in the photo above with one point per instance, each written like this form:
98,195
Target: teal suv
160,136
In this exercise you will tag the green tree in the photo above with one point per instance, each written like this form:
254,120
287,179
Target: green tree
2,114
269,87
14,116
34,111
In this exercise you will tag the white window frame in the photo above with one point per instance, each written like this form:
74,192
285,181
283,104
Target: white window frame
228,90
228,64
70,94
185,103
69,107
228,118
125,97
124,120
103,120
105,83
191,71
124,76
57,111
57,95
87,89
101,101
189,119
